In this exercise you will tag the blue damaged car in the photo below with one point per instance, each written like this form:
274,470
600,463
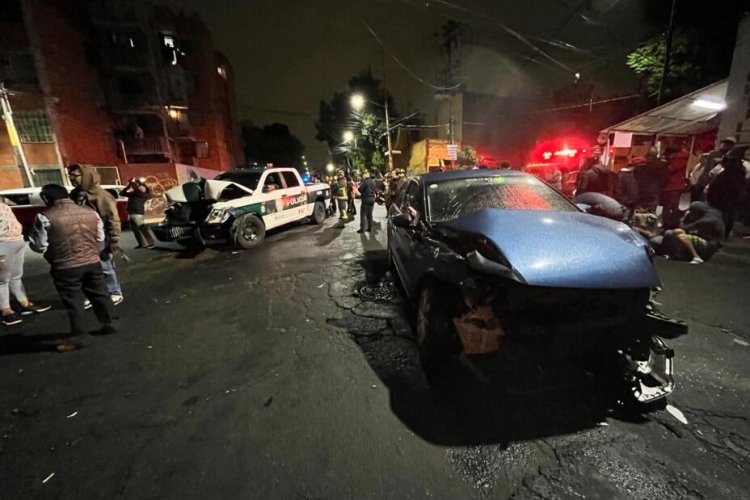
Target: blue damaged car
500,262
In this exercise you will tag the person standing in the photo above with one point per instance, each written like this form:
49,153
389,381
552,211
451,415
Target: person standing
726,190
69,236
367,193
137,193
651,177
341,196
677,160
714,158
89,193
350,196
12,248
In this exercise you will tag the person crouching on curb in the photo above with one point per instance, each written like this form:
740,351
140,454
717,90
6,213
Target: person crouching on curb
70,236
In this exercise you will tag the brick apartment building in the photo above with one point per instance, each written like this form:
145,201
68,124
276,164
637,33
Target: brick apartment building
124,85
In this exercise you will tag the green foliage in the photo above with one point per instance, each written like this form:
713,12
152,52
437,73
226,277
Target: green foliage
684,68
336,116
467,157
271,144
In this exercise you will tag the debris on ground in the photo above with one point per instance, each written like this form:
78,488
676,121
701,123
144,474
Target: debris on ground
72,414
384,291
48,478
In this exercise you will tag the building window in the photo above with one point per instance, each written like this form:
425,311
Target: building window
222,70
201,149
33,126
44,175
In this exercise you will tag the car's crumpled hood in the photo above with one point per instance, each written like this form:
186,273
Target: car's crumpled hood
565,249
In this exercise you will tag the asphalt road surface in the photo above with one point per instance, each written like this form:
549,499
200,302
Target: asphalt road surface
273,373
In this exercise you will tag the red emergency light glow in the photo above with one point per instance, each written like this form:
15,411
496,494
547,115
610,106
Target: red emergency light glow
567,152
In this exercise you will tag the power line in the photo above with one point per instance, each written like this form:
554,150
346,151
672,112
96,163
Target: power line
510,31
591,103
402,65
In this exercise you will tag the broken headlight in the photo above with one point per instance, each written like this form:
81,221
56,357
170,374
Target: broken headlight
218,216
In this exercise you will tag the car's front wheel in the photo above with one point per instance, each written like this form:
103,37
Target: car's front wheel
319,213
248,231
437,339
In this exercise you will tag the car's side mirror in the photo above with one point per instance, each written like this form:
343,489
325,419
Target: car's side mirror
401,220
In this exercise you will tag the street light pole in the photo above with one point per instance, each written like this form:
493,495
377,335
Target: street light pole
667,54
388,134
13,133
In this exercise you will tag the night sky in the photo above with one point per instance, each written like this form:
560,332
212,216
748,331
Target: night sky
290,54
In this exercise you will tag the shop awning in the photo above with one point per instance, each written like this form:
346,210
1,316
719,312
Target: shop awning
691,114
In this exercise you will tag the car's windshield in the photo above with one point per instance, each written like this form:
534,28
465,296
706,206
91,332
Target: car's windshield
247,179
454,198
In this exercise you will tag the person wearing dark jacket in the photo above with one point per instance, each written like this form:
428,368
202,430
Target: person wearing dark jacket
676,184
69,236
594,180
726,190
90,194
651,177
367,193
700,236
714,158
602,205
138,193
626,191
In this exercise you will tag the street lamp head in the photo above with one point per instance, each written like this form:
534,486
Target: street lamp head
348,136
358,102
330,168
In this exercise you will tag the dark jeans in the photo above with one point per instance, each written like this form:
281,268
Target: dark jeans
670,202
729,217
350,208
76,282
365,215
696,193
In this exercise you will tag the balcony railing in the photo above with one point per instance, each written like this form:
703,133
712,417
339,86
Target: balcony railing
147,146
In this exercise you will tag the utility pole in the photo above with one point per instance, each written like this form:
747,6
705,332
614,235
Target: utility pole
13,133
387,118
667,54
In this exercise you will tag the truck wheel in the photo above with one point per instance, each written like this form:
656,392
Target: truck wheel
248,231
319,213
436,337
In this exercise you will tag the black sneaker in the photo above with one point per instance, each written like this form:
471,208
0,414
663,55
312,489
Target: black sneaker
11,319
34,309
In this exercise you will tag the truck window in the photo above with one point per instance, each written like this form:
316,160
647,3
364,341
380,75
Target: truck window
290,179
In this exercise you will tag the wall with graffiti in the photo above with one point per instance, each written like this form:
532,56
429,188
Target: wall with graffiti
161,177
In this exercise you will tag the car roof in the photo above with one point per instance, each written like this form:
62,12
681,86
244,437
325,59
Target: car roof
469,174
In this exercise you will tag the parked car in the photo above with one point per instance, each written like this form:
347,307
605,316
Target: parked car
26,203
500,262
239,206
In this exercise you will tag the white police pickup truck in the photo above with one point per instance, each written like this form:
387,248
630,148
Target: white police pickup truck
239,206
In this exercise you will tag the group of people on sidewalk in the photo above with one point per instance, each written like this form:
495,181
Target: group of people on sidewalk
79,234
719,185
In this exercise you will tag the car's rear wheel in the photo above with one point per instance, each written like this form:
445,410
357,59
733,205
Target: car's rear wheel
319,213
437,339
248,231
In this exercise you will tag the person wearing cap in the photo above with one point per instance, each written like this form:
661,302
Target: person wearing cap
505,166
713,159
